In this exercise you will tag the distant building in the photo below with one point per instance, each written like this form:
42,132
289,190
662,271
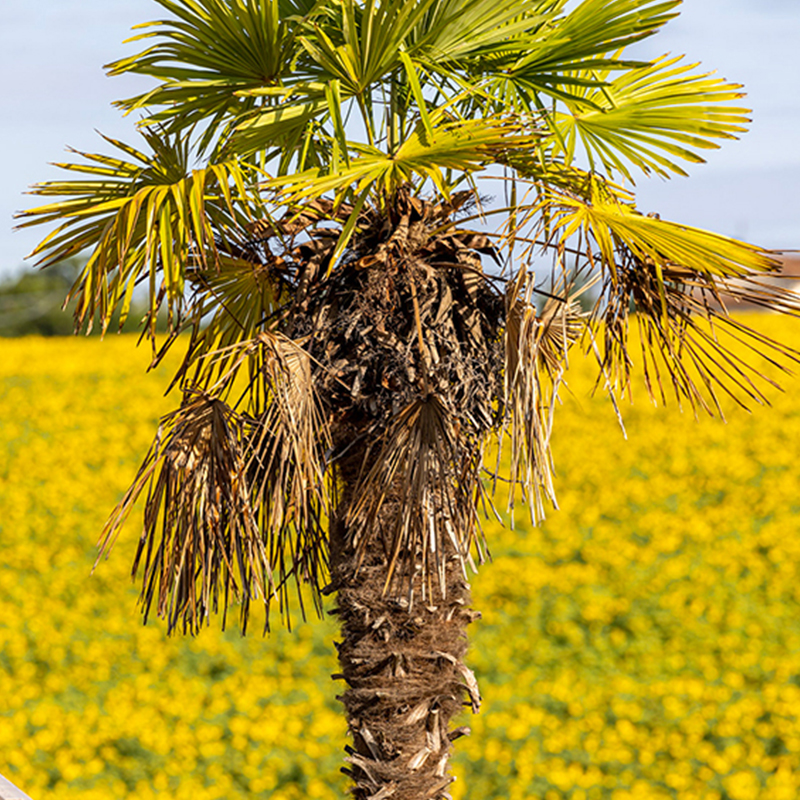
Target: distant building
787,278
791,269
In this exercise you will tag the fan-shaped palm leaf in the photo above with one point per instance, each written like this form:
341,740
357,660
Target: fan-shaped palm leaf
224,48
557,53
144,219
611,222
233,300
650,116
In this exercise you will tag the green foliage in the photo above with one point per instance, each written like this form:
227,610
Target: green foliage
278,102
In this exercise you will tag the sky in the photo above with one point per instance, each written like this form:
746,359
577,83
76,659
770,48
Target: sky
54,93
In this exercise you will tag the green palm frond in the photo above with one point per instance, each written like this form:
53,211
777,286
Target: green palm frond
650,116
598,27
452,31
233,301
367,46
292,128
223,49
368,43
457,145
612,224
146,219
555,56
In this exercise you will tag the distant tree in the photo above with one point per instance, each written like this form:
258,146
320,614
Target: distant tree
32,303
306,209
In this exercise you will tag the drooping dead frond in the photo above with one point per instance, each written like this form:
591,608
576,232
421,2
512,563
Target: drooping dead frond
416,497
535,357
560,325
200,545
690,345
235,502
286,463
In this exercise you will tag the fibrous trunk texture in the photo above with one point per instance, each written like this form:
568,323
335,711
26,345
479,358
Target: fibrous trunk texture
404,351
402,661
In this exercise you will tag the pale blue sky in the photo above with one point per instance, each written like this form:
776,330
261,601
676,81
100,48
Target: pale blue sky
54,93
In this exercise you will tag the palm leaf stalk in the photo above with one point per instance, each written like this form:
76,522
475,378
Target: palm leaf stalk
305,211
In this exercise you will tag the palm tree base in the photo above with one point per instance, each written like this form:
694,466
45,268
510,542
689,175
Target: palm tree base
402,661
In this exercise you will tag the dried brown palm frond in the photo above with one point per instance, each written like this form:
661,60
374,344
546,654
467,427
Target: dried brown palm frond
416,496
299,218
286,463
200,546
689,343
536,348
305,239
561,323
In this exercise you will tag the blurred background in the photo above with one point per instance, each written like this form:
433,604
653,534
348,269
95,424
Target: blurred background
642,644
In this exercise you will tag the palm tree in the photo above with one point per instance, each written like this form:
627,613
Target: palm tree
357,327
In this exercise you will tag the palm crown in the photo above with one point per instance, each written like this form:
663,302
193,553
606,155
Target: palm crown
307,207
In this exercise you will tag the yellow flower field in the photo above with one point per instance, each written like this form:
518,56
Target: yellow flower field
643,643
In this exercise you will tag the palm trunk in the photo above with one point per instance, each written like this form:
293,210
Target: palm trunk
402,661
